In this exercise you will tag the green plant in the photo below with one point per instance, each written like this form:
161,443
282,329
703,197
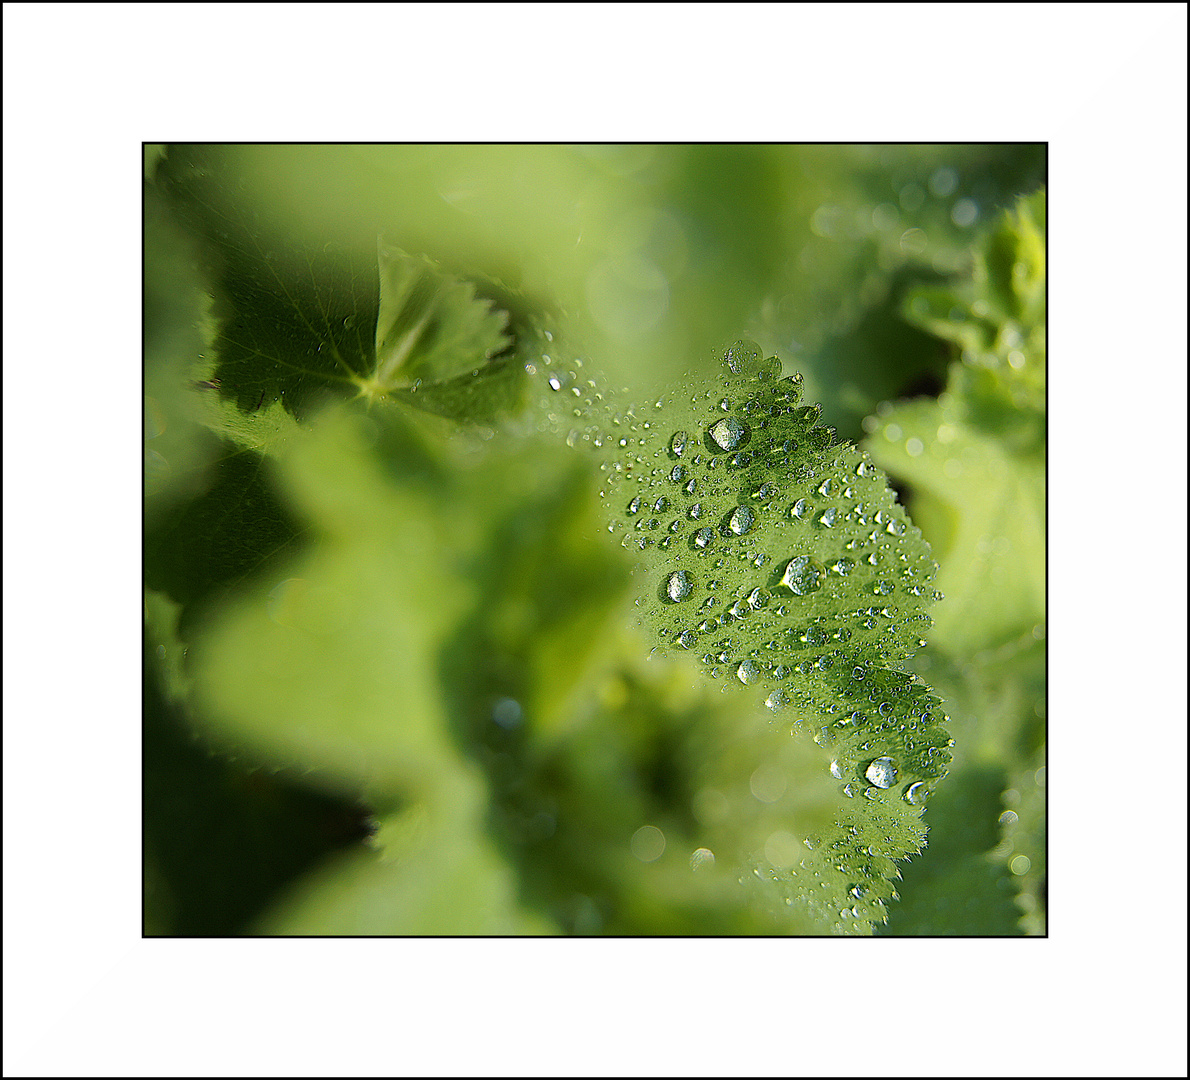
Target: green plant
551,638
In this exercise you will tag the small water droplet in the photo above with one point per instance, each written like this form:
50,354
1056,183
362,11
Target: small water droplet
702,538
634,506
826,487
678,443
827,518
687,638
777,700
800,509
678,474
661,505
916,793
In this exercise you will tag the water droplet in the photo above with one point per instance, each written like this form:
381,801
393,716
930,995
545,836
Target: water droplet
916,793
800,509
689,488
507,713
748,671
702,857
826,487
836,770
881,773
678,474
777,700
678,443
687,639
741,520
895,527
661,505
864,469
555,383
842,567
648,843
802,576
827,518
634,506
758,598
678,586
729,433
883,588
695,512
702,538
765,492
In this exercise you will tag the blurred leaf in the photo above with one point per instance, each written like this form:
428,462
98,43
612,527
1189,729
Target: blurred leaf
974,462
439,874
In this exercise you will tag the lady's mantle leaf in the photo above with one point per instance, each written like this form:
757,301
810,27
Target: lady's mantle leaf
430,327
779,557
293,326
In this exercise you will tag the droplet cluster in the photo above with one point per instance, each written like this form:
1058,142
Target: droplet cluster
782,561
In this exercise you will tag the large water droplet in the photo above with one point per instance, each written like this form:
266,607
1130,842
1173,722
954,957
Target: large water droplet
741,520
827,518
748,671
702,538
881,773
729,433
678,586
800,509
802,576
634,506
678,474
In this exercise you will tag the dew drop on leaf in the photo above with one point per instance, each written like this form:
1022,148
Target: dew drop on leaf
634,506
741,520
800,509
916,794
729,433
802,576
881,772
678,474
827,518
702,538
678,443
678,586
748,671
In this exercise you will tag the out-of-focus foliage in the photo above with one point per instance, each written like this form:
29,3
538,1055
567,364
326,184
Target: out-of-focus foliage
378,577
974,463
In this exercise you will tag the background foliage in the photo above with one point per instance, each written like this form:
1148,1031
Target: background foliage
393,679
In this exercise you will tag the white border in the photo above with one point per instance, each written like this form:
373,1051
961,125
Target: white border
85,84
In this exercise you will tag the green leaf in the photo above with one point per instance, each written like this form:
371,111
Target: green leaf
335,663
294,326
780,557
439,874
430,328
